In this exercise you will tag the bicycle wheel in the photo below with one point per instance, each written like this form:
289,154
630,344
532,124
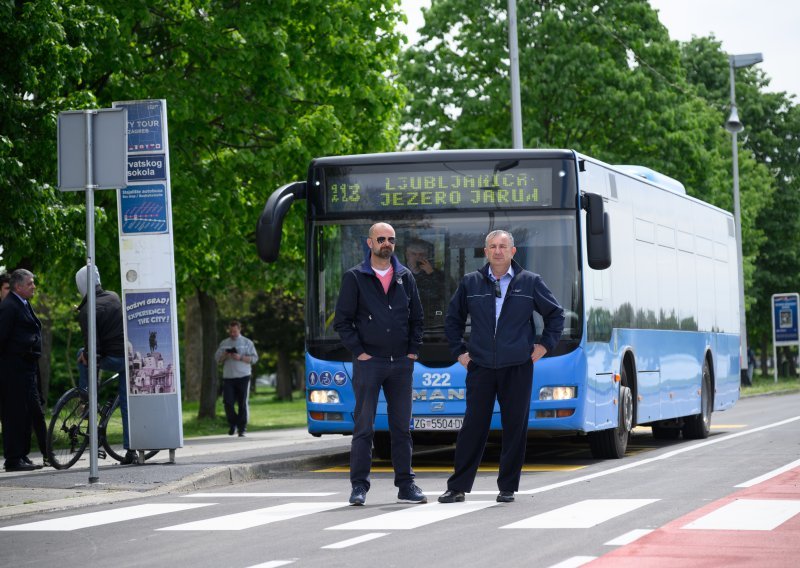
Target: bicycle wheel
110,434
68,433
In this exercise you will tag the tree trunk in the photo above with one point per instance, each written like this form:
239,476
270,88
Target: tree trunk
208,388
283,381
192,349
765,346
300,375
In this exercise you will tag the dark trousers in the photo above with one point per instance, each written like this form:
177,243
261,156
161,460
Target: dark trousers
395,379
511,386
235,397
38,425
19,394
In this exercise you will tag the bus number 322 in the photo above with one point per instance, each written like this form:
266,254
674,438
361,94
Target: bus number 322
435,379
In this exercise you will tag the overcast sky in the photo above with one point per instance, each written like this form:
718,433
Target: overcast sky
771,27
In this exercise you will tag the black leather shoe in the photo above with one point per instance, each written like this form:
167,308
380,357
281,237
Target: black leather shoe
505,497
451,496
231,430
19,466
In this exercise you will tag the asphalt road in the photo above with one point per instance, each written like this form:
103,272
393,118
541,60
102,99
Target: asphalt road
733,499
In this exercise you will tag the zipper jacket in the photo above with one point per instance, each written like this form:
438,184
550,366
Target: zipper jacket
377,323
513,341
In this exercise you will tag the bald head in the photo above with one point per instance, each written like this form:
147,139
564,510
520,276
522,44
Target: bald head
380,228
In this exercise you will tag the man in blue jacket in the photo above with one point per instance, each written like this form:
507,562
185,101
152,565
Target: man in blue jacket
500,299
379,318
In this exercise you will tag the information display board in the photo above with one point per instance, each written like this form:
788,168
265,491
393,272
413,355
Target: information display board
147,267
784,324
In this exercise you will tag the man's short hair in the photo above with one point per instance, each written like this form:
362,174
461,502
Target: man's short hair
499,233
4,278
18,278
236,323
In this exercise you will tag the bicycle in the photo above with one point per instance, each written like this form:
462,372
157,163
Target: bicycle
68,433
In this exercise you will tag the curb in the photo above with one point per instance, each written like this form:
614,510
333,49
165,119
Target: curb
214,476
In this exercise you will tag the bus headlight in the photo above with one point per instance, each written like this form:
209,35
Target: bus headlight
323,396
557,393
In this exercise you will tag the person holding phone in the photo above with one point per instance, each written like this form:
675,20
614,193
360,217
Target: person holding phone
237,355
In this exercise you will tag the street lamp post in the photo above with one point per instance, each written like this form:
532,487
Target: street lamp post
734,126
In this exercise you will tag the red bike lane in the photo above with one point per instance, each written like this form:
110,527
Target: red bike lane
755,527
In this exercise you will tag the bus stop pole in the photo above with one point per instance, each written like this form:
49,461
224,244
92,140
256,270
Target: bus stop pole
513,50
90,296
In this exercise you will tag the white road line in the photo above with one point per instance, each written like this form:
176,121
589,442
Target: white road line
255,518
581,515
574,562
663,456
105,517
628,537
748,515
274,563
357,540
415,517
258,495
770,475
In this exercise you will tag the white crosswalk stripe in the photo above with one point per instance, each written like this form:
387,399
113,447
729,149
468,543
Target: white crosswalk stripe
415,517
256,518
354,541
584,514
748,515
98,518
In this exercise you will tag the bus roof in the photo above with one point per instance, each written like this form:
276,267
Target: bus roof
439,155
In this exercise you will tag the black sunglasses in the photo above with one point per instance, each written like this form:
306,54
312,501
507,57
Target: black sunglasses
497,292
381,240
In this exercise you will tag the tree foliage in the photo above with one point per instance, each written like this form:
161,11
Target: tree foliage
602,77
254,90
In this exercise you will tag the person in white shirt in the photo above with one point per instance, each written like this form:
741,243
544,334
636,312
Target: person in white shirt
237,355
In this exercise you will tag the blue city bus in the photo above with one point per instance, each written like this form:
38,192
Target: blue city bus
650,339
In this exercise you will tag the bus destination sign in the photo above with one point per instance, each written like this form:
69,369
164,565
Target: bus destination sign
350,189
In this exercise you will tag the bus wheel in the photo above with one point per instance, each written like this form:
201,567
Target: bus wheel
697,427
382,444
613,443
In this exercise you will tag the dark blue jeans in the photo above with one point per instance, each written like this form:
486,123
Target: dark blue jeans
395,379
114,365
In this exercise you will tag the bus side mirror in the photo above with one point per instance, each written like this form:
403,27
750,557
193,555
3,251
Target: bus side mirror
270,223
598,232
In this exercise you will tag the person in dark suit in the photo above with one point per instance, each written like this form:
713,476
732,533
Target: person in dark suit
20,349
499,355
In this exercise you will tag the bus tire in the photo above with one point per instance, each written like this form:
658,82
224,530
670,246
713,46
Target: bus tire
382,444
612,443
698,427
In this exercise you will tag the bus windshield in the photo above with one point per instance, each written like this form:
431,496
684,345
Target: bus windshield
439,249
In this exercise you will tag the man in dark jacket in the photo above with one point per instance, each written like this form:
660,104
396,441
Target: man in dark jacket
20,349
500,299
110,344
379,318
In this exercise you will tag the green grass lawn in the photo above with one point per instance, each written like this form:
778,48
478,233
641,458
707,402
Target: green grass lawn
765,384
266,413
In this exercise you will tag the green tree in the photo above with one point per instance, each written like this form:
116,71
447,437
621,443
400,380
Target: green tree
771,139
254,91
602,77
